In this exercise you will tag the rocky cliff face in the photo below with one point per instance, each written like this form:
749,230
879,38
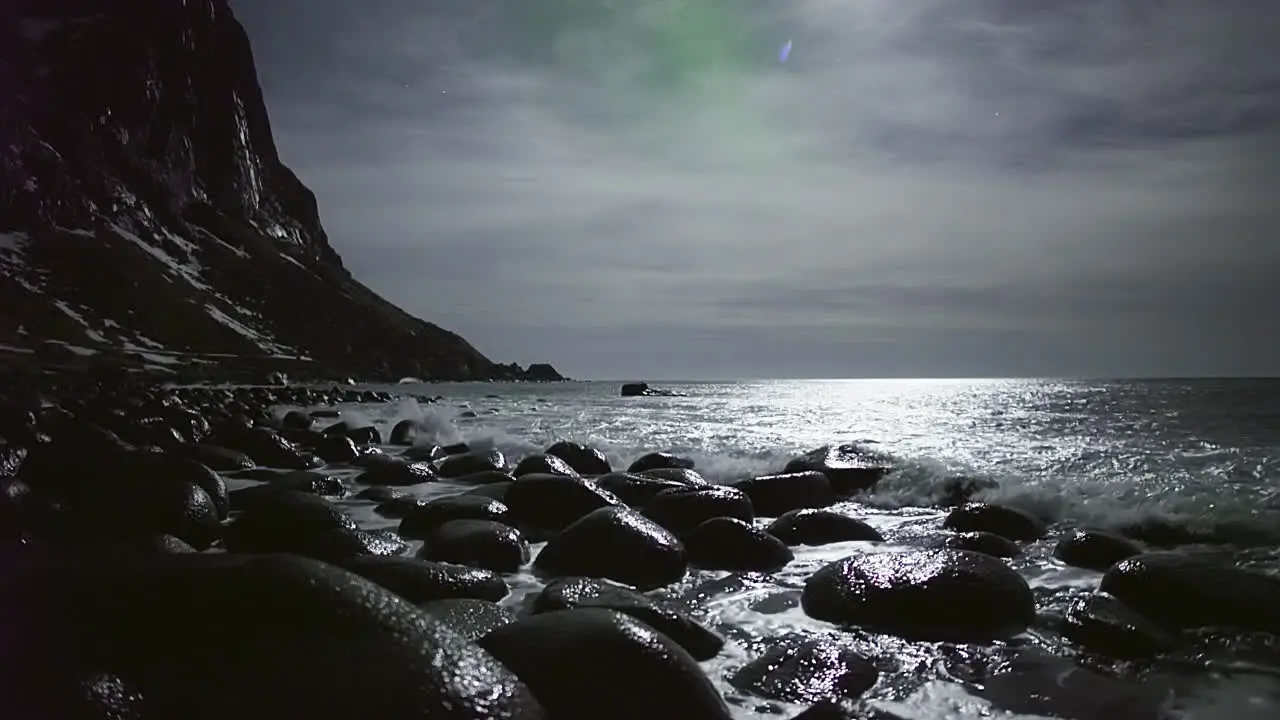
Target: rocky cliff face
146,217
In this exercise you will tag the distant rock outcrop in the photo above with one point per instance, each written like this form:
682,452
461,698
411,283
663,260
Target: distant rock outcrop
146,218
639,389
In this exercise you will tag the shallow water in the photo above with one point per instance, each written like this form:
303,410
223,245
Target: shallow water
1200,454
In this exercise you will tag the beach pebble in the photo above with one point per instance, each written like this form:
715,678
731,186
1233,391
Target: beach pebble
615,543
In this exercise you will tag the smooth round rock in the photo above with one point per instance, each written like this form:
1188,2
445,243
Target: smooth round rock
929,595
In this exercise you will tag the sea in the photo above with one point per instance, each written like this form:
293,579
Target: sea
1203,455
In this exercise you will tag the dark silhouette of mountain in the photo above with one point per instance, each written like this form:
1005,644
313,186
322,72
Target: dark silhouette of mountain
146,218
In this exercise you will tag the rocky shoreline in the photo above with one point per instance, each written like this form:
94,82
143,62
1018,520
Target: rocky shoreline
137,583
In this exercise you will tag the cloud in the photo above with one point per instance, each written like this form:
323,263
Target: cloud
959,187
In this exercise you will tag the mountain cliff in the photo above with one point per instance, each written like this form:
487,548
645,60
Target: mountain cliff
146,218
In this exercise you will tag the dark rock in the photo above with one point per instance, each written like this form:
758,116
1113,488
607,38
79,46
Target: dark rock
960,489
774,495
571,593
737,546
398,507
219,459
74,460
163,544
1103,624
1094,549
684,476
647,675
1006,522
849,468
11,457
336,449
404,433
979,542
543,465
633,489
341,543
364,435
807,671
286,521
820,527
268,449
421,521
297,420
397,473
683,509
134,506
618,544
1187,591
657,460
477,543
930,595
469,618
352,649
159,467
421,581
457,466
635,389
584,460
549,503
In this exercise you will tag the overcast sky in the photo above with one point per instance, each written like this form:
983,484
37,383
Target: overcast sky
640,189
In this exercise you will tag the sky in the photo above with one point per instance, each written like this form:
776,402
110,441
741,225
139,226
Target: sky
641,189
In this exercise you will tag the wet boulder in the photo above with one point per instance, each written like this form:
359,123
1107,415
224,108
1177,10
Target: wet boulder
615,543
477,543
1007,522
543,465
979,542
820,527
685,476
470,618
74,460
421,581
470,463
218,459
268,448
288,521
131,506
734,545
1103,624
336,449
420,521
1094,549
398,473
597,663
774,495
382,494
1188,591
683,509
807,671
849,468
404,433
654,461
579,592
363,435
929,595
351,648
634,489
583,459
550,503
399,506
162,467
